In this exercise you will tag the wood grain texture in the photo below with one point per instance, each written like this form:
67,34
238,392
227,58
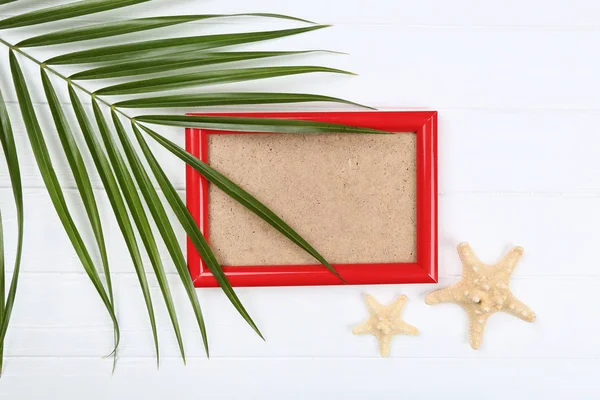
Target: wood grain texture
297,379
517,90
580,14
298,322
508,151
492,222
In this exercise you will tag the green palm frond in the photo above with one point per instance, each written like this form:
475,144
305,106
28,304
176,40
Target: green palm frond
79,171
160,216
173,62
191,228
58,13
207,78
153,48
118,205
246,124
7,141
240,195
129,26
42,156
119,161
2,284
227,99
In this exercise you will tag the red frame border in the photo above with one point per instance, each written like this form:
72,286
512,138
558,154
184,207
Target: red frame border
424,270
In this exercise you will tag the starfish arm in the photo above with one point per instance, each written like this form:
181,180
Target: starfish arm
518,309
362,329
468,258
373,305
510,260
476,327
395,309
403,328
451,294
384,345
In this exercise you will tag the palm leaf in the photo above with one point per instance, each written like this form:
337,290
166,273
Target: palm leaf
44,162
2,288
65,11
240,195
192,230
245,124
138,213
82,180
117,162
109,29
153,48
79,171
162,220
173,62
7,141
209,78
118,206
227,99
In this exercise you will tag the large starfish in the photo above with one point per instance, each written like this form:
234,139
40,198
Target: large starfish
483,290
385,322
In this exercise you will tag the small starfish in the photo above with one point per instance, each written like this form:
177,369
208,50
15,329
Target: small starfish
385,322
483,290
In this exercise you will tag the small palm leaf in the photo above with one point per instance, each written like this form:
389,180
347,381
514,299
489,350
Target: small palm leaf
174,62
192,230
240,195
2,288
84,185
209,78
79,171
116,200
7,141
246,124
66,11
162,220
128,26
42,157
138,213
163,47
227,99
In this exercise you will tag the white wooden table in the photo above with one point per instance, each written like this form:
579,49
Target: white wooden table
517,89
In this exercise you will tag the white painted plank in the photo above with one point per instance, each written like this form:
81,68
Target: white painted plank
91,379
506,151
441,67
510,13
492,223
557,232
479,151
60,315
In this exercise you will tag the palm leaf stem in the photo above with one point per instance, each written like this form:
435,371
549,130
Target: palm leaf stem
63,77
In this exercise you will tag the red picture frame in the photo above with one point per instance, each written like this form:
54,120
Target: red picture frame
424,270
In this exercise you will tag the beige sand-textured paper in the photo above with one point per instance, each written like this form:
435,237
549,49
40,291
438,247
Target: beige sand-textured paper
351,196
